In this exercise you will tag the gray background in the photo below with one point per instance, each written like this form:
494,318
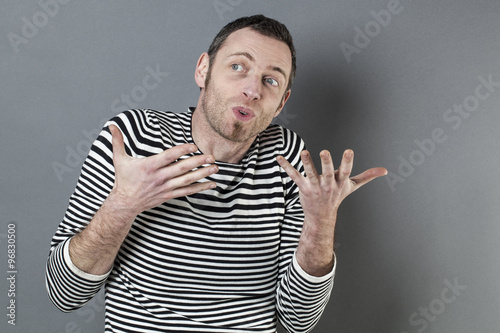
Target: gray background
401,242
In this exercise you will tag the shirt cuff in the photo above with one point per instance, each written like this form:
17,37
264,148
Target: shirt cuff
311,278
79,272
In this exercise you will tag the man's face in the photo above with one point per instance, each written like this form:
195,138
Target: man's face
246,85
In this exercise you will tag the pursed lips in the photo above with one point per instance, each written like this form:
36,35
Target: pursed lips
243,113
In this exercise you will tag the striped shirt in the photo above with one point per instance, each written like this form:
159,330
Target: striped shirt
221,260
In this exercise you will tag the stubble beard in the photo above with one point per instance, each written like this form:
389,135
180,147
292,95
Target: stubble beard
214,111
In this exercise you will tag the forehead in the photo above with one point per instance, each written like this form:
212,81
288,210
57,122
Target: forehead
267,51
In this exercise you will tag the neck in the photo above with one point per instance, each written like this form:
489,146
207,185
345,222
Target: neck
210,142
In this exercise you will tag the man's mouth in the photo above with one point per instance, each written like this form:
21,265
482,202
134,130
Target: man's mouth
243,113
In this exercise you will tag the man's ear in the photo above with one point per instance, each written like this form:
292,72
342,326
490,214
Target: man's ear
200,74
283,101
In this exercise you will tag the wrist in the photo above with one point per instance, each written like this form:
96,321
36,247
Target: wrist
120,206
319,232
318,277
313,261
315,252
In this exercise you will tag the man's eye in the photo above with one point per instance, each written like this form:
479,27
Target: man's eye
237,67
271,81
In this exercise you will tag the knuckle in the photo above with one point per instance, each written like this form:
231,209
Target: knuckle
174,153
328,188
166,186
317,191
192,177
145,168
157,181
184,167
346,172
311,174
312,192
168,196
329,176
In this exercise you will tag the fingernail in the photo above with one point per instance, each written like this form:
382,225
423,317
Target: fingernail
210,160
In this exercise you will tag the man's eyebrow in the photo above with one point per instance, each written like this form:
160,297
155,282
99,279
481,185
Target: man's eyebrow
251,58
245,54
279,70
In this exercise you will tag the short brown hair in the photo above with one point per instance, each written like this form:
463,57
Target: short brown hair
261,24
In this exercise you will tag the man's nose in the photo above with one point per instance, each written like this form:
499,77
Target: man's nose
252,87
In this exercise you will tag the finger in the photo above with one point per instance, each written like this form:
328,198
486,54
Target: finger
117,142
309,167
190,189
185,166
368,176
169,156
290,170
327,169
191,178
346,165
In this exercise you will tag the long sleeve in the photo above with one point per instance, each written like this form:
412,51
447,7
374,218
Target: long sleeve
217,261
68,287
300,298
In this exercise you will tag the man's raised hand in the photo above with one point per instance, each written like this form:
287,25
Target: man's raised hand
327,190
144,183
320,197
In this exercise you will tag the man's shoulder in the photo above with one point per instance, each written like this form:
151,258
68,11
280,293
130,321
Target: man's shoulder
161,113
276,130
280,137
152,115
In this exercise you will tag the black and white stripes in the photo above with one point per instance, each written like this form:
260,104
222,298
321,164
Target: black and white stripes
216,261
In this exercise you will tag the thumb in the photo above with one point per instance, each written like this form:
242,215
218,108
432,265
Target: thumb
117,142
368,176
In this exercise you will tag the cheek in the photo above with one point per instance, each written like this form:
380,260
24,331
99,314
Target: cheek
267,119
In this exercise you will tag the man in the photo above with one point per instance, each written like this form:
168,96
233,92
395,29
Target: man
204,221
